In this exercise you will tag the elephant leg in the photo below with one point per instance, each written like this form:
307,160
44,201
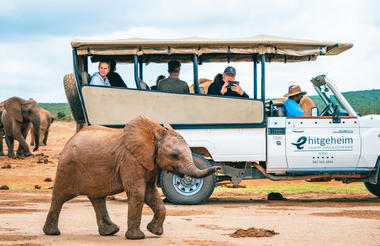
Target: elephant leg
45,137
154,201
105,226
51,223
1,142
23,148
135,205
10,144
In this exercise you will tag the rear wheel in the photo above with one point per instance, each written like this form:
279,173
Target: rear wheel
187,190
373,188
69,82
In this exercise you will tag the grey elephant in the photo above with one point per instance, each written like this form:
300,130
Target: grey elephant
16,118
46,119
1,129
99,161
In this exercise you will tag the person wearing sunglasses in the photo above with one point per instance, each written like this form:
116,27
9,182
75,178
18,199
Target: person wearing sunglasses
292,106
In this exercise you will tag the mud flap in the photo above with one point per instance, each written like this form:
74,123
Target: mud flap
374,177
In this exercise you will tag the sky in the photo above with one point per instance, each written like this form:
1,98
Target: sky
35,36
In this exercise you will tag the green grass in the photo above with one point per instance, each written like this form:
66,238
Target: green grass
294,188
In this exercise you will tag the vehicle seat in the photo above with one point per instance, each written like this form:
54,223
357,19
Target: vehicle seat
85,77
277,110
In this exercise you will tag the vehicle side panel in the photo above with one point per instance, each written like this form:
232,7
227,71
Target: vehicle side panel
116,106
370,134
243,144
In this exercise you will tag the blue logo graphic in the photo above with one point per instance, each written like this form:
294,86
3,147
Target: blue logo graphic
300,142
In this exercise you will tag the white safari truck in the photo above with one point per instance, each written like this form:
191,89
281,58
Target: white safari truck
246,136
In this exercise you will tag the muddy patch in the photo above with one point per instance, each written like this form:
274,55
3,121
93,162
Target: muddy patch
8,229
253,232
360,214
12,238
148,211
216,227
208,243
20,210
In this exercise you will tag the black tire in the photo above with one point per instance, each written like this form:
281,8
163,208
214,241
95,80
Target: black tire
72,95
373,188
194,191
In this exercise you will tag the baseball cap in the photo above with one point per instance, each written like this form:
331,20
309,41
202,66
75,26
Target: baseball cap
230,70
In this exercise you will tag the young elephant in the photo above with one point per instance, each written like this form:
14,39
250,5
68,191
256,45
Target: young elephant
100,161
46,120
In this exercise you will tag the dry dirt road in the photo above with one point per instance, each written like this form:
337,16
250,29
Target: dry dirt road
304,219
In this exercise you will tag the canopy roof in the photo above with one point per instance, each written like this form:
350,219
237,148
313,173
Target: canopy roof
276,49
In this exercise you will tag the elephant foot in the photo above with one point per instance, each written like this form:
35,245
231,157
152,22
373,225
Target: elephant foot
108,230
27,154
134,234
51,230
155,229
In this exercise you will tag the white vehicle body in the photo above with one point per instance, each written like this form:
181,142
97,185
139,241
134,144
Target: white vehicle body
249,142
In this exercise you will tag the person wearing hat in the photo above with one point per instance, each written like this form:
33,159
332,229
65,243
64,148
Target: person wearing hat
173,83
292,106
227,86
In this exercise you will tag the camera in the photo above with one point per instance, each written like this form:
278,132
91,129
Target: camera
231,83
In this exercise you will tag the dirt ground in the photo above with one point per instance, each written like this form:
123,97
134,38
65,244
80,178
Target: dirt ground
303,219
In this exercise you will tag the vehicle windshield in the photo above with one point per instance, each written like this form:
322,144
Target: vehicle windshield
328,97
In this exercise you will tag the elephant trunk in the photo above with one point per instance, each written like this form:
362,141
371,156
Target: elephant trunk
36,131
191,170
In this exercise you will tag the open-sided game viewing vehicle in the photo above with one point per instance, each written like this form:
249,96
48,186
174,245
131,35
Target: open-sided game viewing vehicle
242,135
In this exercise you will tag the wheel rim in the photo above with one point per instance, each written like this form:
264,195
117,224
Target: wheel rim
187,186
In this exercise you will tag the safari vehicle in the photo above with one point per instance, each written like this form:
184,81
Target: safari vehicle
246,136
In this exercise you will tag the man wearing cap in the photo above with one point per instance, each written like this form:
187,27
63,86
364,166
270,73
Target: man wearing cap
292,106
224,87
173,83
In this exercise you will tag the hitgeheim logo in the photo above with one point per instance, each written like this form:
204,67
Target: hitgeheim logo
322,141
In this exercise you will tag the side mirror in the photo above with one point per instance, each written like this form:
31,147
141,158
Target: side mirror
335,115
314,111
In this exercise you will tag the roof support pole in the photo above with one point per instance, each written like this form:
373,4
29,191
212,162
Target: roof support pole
136,68
254,76
195,74
263,77
141,70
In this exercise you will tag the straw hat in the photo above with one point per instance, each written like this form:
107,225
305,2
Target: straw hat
294,90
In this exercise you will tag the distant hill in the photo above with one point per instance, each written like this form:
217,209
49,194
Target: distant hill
61,111
363,102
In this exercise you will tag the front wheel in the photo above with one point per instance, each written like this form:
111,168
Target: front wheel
373,188
187,190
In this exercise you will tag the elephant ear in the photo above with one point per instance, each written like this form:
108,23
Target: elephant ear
13,107
140,138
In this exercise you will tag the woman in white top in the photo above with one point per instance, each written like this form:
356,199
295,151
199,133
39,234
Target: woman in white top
100,78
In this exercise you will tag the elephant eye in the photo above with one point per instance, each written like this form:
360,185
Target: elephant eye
174,156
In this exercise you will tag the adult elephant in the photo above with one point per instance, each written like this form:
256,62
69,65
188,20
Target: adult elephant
99,161
46,119
16,117
1,129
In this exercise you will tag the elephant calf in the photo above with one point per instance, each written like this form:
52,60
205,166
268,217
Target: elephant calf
100,161
46,119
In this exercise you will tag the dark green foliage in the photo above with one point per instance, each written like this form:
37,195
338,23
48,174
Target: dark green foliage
363,102
61,111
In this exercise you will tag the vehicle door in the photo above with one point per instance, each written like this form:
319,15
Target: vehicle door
317,143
